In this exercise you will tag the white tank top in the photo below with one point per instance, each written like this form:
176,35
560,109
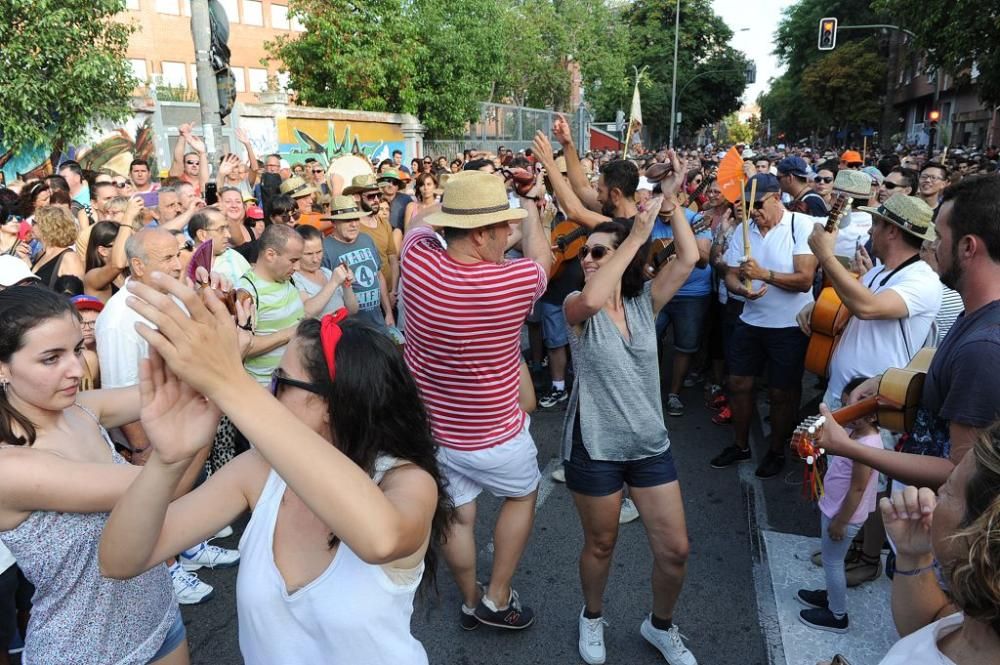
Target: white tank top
351,614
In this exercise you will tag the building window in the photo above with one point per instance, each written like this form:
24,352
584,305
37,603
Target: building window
253,12
296,24
194,76
232,10
239,75
283,79
167,6
279,17
174,74
258,79
132,4
186,7
139,70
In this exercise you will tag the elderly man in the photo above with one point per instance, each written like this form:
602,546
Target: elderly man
465,306
779,268
119,350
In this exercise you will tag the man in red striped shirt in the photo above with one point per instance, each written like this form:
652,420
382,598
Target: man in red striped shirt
465,305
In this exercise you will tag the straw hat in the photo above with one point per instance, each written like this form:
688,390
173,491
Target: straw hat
344,209
474,199
853,183
909,213
362,183
296,187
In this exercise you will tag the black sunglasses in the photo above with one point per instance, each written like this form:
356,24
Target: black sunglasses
279,379
891,185
120,183
192,163
597,251
824,179
759,205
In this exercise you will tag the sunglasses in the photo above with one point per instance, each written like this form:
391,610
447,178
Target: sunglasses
121,183
318,171
824,179
192,163
597,251
372,196
890,185
759,205
279,379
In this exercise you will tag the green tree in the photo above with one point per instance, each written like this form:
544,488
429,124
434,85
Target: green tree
64,67
738,131
846,85
959,36
710,72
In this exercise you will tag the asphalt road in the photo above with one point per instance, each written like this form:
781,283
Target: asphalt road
718,610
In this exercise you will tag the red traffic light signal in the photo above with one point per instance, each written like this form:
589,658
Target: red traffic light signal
934,115
827,33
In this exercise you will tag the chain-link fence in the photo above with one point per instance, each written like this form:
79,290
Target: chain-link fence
512,127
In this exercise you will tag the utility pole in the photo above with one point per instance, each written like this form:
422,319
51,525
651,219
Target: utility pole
208,93
673,83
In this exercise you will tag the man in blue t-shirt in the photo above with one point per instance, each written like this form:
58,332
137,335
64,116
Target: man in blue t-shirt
688,308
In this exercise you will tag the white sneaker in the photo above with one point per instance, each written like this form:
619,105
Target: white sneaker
629,513
668,642
592,639
225,532
559,474
188,589
208,556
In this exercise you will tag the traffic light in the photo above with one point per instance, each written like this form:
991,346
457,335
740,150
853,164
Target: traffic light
934,116
827,33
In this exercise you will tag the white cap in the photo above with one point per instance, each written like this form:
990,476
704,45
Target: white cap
283,164
644,183
14,270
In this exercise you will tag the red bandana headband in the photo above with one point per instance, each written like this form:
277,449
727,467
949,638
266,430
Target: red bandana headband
329,336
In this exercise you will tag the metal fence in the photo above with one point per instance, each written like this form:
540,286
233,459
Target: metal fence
512,127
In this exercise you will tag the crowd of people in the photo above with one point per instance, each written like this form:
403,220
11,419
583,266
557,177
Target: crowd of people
163,340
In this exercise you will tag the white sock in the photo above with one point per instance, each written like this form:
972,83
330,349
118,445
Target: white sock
559,385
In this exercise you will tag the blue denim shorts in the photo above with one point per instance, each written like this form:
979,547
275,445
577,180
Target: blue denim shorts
174,637
554,328
687,313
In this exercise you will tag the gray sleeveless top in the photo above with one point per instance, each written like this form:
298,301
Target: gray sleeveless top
79,617
617,386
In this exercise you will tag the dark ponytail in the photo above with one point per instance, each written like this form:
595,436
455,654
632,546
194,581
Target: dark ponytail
23,308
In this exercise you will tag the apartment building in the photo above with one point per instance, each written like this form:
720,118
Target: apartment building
161,52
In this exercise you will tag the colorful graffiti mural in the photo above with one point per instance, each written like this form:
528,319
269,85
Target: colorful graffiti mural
302,138
112,150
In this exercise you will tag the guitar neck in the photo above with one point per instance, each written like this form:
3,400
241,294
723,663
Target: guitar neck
865,407
837,211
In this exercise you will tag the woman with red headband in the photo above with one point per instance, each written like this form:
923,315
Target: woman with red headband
346,499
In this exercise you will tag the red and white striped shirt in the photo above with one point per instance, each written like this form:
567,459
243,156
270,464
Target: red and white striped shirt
463,339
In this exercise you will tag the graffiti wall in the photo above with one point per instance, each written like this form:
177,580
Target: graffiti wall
109,148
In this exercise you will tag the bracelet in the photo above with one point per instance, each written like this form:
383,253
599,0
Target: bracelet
915,571
770,276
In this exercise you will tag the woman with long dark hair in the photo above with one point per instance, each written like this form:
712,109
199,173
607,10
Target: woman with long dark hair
614,432
61,476
34,196
105,259
343,484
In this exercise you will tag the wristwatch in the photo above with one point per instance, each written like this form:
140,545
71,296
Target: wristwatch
770,276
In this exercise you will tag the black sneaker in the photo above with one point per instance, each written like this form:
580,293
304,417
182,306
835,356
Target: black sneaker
816,599
553,397
729,456
771,466
466,616
513,617
823,619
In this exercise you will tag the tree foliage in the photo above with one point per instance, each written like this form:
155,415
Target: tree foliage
64,67
844,87
956,36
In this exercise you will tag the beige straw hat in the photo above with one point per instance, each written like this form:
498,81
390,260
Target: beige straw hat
473,199
296,187
908,213
344,209
362,183
853,183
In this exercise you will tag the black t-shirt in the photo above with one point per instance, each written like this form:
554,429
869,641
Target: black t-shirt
397,211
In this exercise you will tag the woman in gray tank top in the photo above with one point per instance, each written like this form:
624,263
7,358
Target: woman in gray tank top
614,431
61,477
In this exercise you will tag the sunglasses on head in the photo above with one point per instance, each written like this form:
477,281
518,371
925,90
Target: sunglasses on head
824,179
279,379
596,251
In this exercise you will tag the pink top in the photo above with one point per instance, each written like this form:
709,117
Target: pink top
837,482
463,340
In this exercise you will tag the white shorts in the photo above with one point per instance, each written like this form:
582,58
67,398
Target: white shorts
507,470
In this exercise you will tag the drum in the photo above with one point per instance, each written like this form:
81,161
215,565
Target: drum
343,169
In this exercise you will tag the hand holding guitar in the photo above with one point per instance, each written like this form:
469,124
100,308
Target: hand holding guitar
822,242
804,318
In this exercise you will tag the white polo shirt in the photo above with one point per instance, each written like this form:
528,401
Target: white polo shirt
774,251
119,346
869,347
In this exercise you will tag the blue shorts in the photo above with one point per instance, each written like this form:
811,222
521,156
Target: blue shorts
174,637
783,350
687,313
554,328
585,475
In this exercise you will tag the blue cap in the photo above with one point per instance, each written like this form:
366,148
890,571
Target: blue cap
766,184
793,165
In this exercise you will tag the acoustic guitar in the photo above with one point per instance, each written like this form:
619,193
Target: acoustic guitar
661,249
829,315
566,239
895,405
690,201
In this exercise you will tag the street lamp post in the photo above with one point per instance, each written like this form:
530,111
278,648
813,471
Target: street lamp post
673,82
